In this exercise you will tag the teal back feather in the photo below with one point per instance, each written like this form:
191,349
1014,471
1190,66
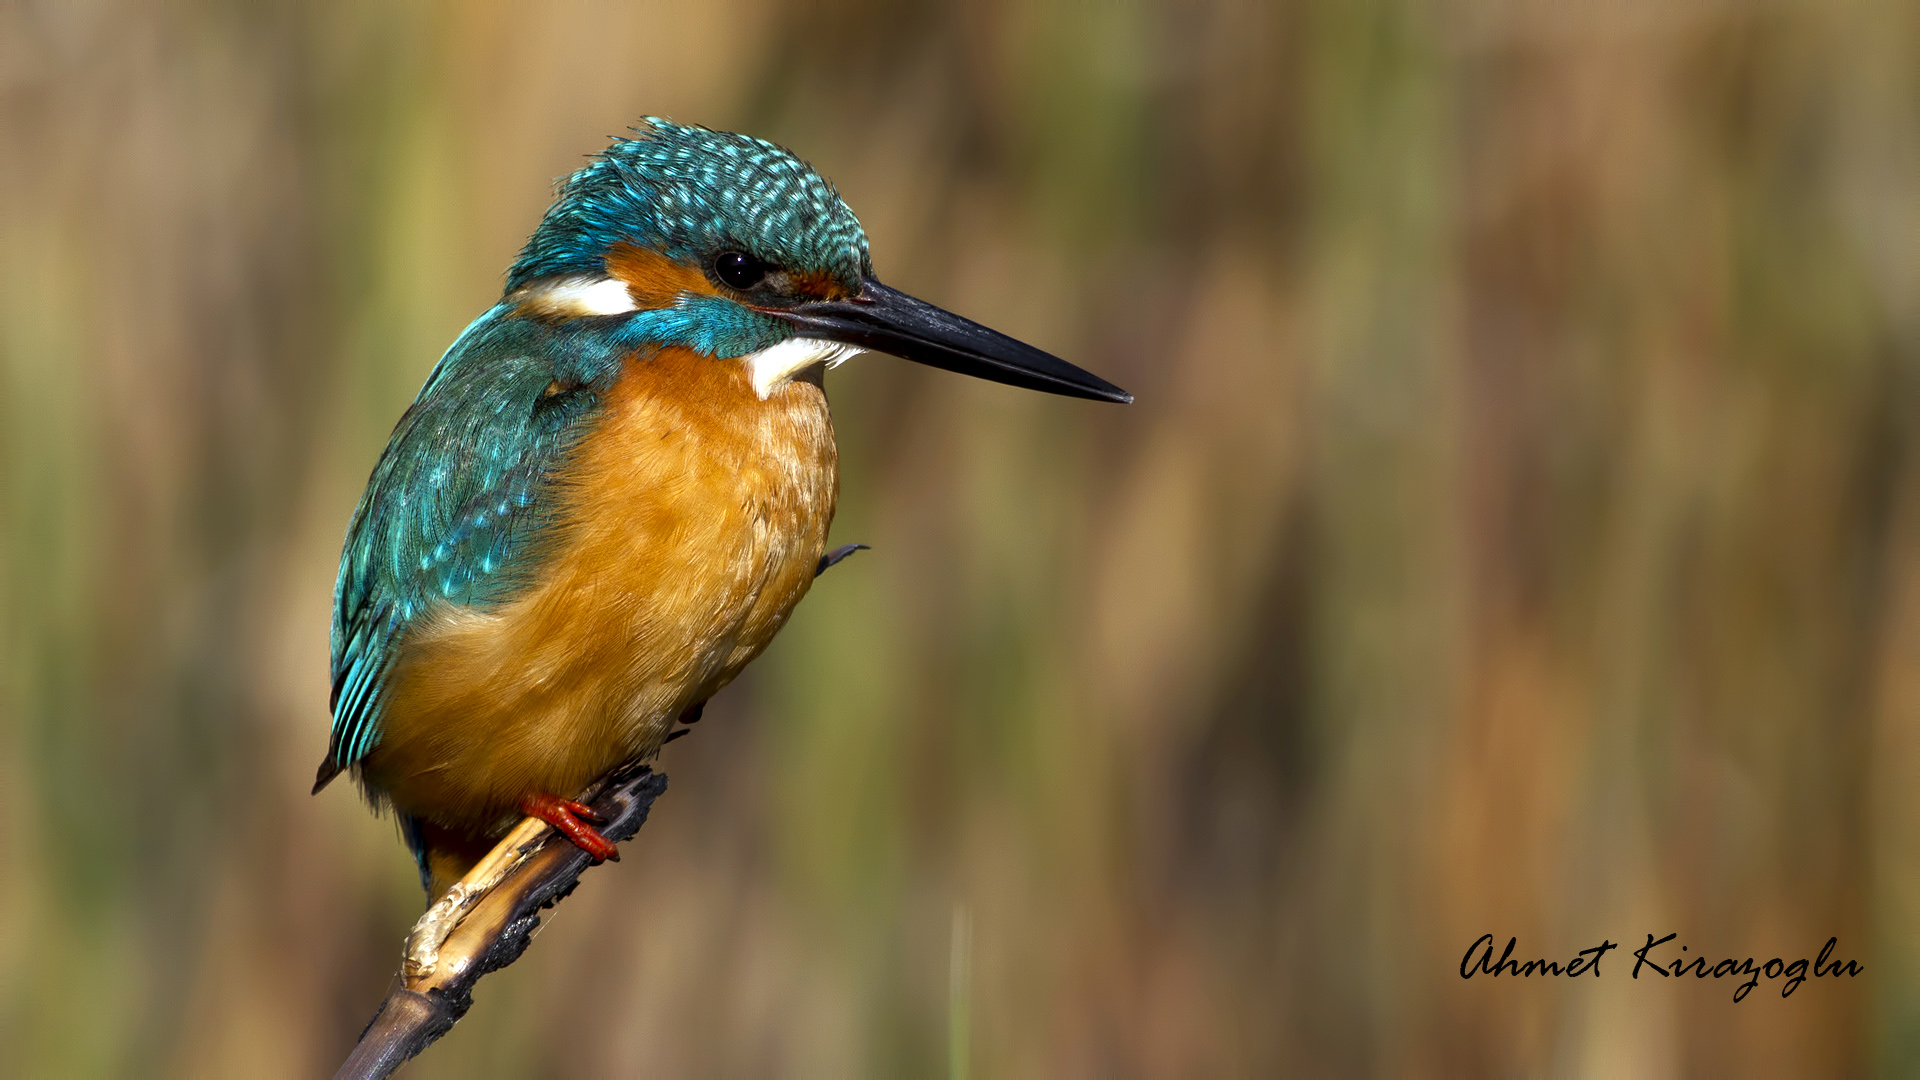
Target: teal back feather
458,501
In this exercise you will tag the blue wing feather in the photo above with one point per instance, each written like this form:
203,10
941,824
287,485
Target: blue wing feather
458,505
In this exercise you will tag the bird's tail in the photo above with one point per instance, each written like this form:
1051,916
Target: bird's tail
328,770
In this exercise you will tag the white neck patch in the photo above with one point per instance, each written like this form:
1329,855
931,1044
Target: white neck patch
571,297
771,367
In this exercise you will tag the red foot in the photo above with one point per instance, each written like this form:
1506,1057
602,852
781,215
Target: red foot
570,819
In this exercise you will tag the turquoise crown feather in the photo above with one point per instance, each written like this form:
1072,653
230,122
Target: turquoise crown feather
690,193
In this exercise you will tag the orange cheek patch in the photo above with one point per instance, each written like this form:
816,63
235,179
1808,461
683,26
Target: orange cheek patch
652,279
655,281
819,285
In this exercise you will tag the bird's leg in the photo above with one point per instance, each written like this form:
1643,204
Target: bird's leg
569,819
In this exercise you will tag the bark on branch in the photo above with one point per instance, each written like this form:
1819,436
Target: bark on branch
485,922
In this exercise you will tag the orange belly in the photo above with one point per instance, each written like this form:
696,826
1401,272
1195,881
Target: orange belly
692,519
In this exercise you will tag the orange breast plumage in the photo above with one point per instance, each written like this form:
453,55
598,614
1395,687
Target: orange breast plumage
692,517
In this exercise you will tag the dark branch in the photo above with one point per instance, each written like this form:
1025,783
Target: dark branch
493,932
831,558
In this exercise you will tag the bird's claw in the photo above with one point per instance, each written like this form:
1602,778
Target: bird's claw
569,818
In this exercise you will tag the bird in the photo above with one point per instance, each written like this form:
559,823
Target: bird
614,486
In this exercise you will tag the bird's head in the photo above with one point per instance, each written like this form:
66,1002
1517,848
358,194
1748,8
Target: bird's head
734,248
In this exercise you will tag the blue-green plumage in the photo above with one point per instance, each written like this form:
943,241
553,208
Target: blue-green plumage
453,511
687,192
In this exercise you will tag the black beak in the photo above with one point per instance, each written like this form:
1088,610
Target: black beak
889,321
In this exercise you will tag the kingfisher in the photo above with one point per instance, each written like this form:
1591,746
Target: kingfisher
614,487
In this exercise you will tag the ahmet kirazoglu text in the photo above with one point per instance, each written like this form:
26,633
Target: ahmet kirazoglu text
1587,962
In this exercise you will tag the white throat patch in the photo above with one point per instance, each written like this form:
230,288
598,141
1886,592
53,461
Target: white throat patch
771,367
571,297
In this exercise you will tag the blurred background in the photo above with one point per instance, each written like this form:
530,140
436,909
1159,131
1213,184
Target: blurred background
1518,533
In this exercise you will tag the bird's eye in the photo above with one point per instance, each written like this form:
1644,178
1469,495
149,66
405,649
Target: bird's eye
738,270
